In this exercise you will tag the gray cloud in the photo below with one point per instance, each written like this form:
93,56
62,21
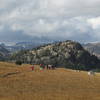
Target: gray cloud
56,19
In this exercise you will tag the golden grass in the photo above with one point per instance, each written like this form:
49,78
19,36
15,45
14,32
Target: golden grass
59,84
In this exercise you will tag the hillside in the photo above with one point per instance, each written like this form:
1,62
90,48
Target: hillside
93,48
20,83
67,54
3,53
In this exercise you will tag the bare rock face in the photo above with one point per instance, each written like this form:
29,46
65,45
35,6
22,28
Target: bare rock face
67,54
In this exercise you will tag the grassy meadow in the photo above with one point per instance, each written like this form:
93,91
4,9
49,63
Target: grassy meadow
20,83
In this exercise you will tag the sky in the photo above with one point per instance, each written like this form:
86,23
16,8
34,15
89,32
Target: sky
77,20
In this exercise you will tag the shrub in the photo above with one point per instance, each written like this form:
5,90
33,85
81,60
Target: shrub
18,62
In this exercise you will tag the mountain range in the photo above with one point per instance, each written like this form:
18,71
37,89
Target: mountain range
69,54
93,48
25,45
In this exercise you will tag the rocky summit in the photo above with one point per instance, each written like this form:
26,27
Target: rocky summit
68,54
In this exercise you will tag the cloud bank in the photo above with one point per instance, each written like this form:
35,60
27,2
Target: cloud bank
56,19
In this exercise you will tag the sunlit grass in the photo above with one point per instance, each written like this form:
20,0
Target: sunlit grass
59,84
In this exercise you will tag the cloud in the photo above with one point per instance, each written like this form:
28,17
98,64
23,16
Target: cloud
56,19
95,22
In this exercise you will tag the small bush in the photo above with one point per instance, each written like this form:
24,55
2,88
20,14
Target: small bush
18,62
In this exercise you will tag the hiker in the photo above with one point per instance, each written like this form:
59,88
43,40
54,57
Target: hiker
53,67
41,69
49,67
42,66
32,68
46,66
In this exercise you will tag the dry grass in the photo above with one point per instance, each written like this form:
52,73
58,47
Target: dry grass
59,84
